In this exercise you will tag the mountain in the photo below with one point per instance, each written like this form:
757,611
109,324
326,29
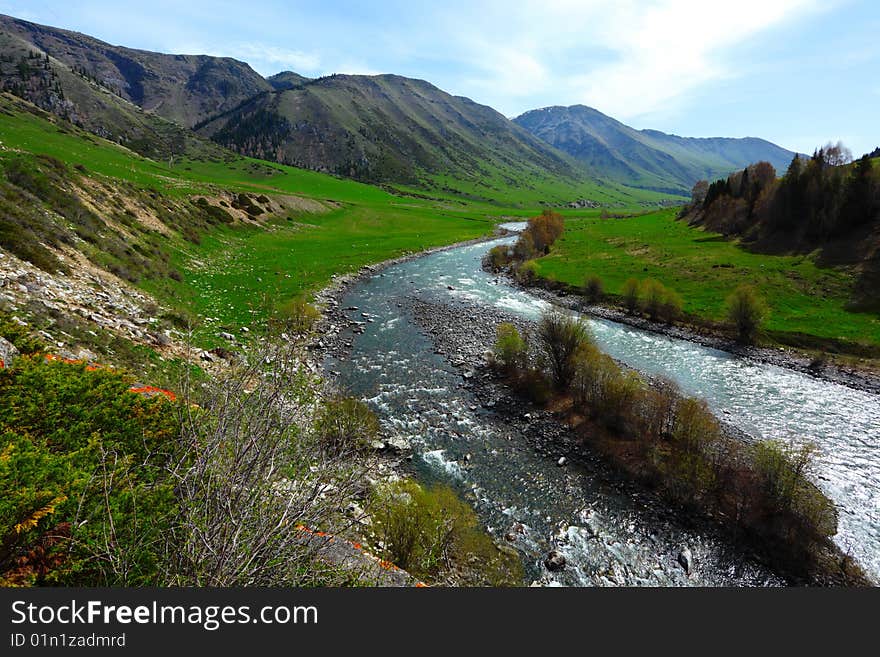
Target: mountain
286,80
645,158
185,89
383,129
389,129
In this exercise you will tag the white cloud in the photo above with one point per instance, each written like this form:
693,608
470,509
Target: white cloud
272,59
627,58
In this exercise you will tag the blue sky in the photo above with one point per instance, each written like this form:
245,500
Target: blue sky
797,72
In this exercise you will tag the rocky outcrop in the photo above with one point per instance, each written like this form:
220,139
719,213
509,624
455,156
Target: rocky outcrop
8,352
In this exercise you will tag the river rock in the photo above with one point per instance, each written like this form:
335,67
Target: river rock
555,560
561,461
686,559
516,529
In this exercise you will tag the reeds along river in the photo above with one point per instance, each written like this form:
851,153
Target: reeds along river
609,536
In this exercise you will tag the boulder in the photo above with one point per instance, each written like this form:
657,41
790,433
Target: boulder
8,352
554,560
517,529
686,559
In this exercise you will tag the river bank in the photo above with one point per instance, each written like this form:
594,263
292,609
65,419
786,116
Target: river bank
857,378
466,334
423,395
637,542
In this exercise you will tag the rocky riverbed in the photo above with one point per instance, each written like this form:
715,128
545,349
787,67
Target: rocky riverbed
574,519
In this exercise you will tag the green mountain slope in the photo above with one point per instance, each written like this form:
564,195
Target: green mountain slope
391,129
383,129
286,80
183,88
30,73
645,158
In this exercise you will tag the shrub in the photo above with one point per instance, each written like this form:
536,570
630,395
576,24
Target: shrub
670,309
527,271
346,425
544,230
524,248
498,257
560,336
746,311
618,400
535,384
593,288
256,470
76,446
510,348
653,293
783,471
435,535
657,409
631,295
297,315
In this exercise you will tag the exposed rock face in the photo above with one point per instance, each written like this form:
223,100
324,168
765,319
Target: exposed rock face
183,88
93,296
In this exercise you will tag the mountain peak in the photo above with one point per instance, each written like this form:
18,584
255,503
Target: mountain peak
645,158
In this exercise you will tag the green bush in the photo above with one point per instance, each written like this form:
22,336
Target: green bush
527,271
603,390
434,535
560,336
346,425
631,295
510,350
593,288
77,448
670,308
499,257
297,315
782,471
653,294
746,312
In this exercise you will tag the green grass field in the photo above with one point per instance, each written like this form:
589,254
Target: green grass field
235,273
704,268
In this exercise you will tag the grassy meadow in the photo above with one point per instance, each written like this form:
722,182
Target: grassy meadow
704,268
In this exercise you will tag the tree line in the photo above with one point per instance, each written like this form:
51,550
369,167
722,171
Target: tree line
823,197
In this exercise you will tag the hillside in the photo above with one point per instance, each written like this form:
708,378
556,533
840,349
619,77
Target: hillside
378,129
286,80
391,129
56,87
645,158
182,88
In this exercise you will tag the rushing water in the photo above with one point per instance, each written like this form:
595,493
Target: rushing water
608,536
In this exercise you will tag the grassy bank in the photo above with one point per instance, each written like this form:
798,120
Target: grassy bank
808,303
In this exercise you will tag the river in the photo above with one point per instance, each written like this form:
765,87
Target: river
609,535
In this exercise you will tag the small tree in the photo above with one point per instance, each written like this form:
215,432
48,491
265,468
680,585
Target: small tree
653,294
746,311
560,337
631,295
346,425
698,193
593,288
671,307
